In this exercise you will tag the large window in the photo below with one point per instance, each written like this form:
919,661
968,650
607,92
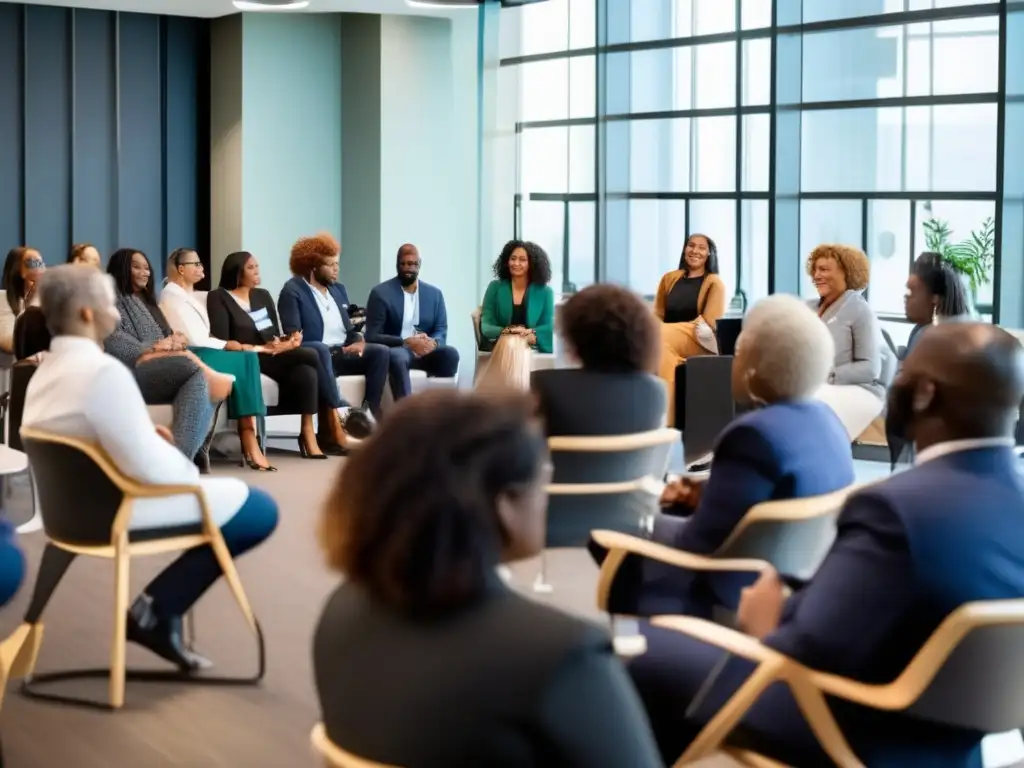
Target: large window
769,125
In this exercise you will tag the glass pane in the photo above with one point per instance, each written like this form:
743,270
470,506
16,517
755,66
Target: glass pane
657,232
962,217
544,90
716,75
717,220
756,152
544,160
713,17
582,250
582,86
826,221
659,80
581,158
756,14
951,148
659,154
582,23
632,21
714,154
544,27
827,10
754,249
757,71
544,224
850,63
960,56
889,248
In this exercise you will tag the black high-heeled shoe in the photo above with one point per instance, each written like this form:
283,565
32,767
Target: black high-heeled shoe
304,452
258,467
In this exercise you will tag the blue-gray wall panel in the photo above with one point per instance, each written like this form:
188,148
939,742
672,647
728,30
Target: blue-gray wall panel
181,114
47,110
11,126
140,166
94,200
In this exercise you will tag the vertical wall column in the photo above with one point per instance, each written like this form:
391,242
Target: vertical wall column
1009,276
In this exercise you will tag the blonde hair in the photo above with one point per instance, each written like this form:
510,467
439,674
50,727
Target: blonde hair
509,365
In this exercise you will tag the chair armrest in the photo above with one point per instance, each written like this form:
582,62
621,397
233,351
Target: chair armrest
731,640
623,544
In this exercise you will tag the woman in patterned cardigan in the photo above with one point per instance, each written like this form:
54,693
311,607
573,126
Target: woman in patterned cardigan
164,368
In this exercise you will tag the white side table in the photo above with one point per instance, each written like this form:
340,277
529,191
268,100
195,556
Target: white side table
13,462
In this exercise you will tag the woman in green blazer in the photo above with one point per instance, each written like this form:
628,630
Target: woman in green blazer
520,301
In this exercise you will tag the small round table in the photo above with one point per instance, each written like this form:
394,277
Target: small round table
13,462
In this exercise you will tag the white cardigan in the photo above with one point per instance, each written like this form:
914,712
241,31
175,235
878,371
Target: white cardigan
186,314
80,391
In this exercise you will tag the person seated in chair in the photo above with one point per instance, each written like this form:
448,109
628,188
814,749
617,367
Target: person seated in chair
611,333
314,303
408,316
519,300
80,391
909,551
791,446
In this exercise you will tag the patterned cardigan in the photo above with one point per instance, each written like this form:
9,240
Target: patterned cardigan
141,327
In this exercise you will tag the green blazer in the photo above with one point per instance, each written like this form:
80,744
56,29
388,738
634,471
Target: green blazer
496,312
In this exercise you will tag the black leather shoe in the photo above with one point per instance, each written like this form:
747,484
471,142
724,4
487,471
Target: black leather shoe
164,637
331,448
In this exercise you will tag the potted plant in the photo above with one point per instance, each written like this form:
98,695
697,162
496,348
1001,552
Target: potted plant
971,258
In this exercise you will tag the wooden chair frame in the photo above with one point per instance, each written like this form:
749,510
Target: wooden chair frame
336,757
18,654
604,444
810,687
621,545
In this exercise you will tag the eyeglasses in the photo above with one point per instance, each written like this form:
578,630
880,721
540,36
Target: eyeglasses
191,264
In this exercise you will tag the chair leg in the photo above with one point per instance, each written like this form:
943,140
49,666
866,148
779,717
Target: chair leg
227,565
119,640
540,584
54,565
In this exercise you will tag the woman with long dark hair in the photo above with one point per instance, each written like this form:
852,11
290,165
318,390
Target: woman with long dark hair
689,302
22,270
242,312
164,368
935,294
519,300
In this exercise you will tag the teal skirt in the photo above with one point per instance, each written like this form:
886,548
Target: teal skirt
246,398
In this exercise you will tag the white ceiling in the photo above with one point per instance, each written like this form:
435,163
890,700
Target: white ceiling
214,8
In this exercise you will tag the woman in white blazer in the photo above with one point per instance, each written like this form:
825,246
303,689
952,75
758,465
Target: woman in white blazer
80,391
187,315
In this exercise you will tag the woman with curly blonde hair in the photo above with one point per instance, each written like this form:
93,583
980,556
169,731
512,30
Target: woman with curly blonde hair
509,365
855,390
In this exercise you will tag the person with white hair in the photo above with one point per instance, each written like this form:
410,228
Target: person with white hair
80,391
790,445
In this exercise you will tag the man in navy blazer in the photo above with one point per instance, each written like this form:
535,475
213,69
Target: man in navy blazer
315,303
409,316
909,551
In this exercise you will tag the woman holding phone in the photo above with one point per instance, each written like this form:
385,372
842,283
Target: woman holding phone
22,270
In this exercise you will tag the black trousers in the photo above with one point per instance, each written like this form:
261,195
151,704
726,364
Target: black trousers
295,372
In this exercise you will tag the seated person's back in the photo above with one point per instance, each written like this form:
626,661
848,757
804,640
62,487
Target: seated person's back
613,335
424,657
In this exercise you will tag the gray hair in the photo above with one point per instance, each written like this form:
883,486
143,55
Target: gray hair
788,347
66,290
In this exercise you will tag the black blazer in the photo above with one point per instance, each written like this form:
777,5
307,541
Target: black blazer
575,401
508,683
230,322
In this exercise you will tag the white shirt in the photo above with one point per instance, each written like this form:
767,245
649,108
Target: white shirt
335,334
956,446
80,391
410,313
186,314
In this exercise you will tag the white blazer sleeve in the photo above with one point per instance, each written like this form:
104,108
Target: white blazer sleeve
183,319
7,318
116,411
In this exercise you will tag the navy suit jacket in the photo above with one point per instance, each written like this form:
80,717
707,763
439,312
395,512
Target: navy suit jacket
908,552
298,310
386,306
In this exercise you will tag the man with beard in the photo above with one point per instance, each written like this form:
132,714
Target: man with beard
409,316
315,303
908,552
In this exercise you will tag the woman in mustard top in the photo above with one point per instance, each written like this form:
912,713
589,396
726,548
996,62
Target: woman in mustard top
689,302
520,301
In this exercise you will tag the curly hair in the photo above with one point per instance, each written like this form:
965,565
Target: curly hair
611,329
711,267
540,266
852,261
426,542
308,253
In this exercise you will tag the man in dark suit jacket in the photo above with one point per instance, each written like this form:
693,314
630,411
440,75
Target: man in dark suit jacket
409,316
315,303
908,552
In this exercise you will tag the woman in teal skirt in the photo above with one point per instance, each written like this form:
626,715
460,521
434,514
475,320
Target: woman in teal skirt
186,314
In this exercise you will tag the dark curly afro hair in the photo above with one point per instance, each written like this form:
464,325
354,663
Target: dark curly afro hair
540,265
308,253
611,329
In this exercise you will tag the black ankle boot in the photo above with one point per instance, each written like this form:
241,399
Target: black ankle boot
163,636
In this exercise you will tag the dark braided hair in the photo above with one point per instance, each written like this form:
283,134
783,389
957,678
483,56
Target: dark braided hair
540,265
120,268
427,541
942,281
